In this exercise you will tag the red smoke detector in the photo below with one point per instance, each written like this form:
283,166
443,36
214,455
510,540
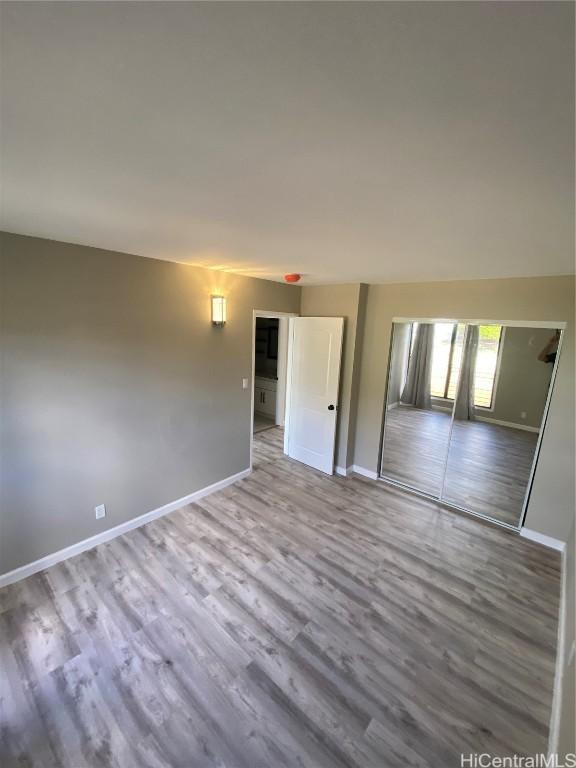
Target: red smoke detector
292,278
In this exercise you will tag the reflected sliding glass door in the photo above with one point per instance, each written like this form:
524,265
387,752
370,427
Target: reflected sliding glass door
465,407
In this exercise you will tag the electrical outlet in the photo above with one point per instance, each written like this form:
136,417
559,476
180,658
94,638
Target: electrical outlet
100,511
522,414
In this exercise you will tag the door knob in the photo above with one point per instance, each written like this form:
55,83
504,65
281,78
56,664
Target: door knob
330,407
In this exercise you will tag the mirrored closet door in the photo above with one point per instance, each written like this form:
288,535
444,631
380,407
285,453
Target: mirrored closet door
465,409
416,434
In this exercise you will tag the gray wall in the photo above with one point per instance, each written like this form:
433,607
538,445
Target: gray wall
136,402
551,508
115,387
524,380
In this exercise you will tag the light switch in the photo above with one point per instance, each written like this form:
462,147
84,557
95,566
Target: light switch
244,383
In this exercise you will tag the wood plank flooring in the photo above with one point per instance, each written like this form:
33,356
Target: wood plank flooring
488,464
261,422
415,447
292,619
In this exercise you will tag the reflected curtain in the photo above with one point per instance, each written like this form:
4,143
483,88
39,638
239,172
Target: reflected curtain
416,391
464,406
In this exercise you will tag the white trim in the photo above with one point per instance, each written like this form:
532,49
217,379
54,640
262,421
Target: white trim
541,538
554,729
364,472
344,471
510,424
553,324
81,546
281,371
288,382
391,406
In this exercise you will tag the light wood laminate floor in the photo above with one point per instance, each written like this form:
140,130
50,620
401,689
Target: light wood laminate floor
261,422
488,465
292,619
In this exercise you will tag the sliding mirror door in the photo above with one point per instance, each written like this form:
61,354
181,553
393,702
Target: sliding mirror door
422,369
465,409
505,378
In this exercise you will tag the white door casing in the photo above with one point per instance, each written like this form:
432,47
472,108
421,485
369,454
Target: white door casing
316,351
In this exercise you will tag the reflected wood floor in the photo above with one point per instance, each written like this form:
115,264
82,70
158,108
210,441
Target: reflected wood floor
488,464
415,447
292,619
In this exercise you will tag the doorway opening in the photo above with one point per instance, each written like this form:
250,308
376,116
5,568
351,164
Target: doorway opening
295,388
270,331
266,385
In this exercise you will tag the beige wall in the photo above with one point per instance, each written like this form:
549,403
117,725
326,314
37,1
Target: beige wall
115,387
342,301
551,507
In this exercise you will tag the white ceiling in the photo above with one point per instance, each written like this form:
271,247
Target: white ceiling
347,141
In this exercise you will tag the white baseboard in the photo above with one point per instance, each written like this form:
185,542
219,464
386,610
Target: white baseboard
391,406
554,729
81,546
343,470
541,538
364,472
510,424
443,408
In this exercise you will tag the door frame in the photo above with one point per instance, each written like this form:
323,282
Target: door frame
283,371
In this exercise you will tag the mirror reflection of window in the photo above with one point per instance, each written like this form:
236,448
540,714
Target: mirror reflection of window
442,355
447,360
487,359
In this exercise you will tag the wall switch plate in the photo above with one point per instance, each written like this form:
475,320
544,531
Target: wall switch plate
100,511
522,414
244,383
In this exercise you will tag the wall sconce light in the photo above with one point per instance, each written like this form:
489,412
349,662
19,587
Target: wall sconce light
218,311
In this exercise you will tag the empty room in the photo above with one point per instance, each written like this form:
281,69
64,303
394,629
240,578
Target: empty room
287,384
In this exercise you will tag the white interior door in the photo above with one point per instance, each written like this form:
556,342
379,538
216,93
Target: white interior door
314,375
